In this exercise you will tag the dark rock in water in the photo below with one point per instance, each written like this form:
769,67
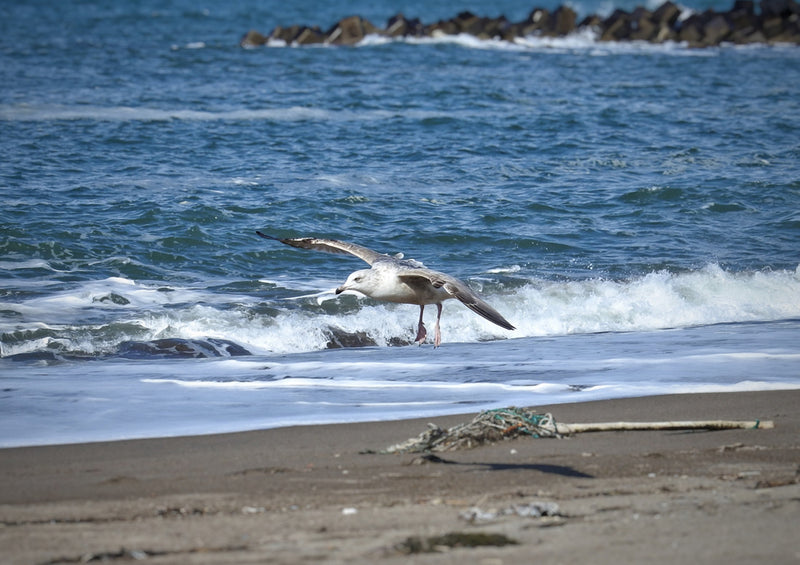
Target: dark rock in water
350,31
114,298
772,27
716,30
592,21
563,21
778,8
466,22
338,338
493,28
744,22
617,26
448,27
744,6
253,39
781,21
666,14
691,30
538,21
48,357
777,22
743,34
309,36
286,34
642,27
483,28
399,26
299,35
180,348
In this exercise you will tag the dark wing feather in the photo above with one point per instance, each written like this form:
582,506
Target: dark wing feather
476,304
330,246
458,289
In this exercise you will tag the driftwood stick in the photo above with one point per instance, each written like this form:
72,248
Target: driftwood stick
566,429
506,423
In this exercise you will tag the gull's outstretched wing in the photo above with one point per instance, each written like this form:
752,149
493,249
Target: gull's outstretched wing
331,246
458,289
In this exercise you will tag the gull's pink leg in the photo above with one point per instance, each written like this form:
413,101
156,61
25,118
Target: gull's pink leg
421,333
437,334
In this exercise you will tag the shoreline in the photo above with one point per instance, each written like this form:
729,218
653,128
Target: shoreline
317,493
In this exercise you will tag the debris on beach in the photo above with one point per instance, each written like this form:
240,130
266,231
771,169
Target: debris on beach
489,426
531,510
492,426
434,544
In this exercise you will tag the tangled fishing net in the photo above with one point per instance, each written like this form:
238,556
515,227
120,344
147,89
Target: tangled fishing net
489,426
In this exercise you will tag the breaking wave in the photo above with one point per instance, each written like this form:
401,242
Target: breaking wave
121,317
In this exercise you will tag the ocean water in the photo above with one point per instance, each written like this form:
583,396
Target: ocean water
633,210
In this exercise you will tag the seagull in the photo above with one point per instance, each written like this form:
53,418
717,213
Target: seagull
405,281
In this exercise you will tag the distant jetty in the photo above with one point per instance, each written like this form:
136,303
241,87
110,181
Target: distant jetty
775,21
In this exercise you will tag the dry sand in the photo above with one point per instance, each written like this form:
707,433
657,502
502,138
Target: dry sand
309,494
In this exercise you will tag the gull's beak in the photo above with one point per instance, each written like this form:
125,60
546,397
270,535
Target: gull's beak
340,290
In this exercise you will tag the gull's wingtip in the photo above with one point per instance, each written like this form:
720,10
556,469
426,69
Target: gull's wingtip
500,321
265,236
483,309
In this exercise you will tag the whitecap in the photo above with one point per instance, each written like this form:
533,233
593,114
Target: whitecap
27,264
503,270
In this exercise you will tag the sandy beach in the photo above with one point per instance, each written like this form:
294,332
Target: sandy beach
326,494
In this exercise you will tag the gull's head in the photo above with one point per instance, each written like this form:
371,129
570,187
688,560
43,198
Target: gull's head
360,281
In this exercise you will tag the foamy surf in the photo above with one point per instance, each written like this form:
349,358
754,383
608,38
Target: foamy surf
96,318
122,399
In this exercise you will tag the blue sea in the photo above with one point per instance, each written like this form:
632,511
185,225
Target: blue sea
633,209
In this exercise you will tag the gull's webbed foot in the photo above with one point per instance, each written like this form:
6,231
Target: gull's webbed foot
421,334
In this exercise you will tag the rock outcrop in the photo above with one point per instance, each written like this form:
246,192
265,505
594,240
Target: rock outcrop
775,21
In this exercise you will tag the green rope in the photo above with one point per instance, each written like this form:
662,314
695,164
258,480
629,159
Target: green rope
532,424
487,427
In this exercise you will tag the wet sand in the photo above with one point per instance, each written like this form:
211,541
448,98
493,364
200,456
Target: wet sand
312,494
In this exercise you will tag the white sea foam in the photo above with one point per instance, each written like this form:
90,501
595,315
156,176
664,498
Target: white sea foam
113,293
583,40
27,264
543,308
658,300
37,113
97,315
505,270
126,399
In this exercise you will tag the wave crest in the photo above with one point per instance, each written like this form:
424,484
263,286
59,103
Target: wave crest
121,310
